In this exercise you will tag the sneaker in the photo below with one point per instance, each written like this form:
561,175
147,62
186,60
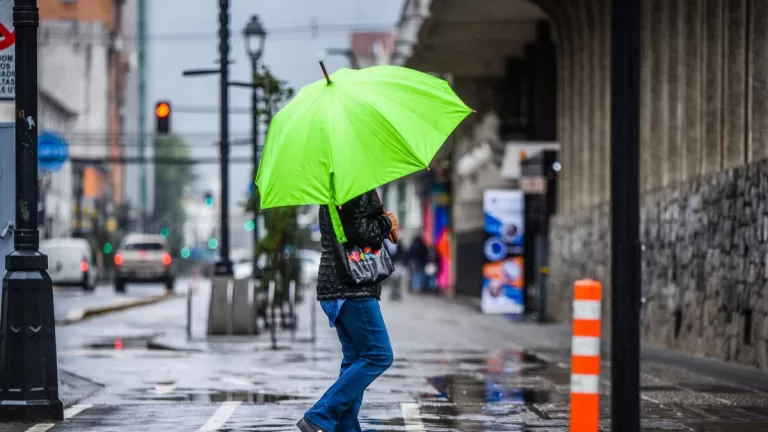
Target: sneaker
307,426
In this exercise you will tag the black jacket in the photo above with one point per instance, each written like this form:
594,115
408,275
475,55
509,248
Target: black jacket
365,226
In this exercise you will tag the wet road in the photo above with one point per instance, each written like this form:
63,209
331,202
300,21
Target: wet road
455,370
67,299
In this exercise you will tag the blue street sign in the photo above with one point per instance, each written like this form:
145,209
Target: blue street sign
251,189
52,152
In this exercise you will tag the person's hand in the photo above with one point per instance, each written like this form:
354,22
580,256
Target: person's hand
392,218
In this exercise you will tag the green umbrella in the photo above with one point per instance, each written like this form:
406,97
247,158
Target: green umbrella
353,132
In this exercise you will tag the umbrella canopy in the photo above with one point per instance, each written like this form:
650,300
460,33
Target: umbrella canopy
353,132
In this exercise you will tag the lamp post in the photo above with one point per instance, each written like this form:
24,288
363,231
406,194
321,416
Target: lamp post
29,389
224,266
255,35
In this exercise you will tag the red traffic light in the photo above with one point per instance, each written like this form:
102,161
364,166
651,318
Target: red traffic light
162,109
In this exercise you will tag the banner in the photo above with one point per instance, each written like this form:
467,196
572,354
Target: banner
503,271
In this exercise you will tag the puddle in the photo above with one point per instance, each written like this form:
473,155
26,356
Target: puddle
504,377
172,394
134,343
467,389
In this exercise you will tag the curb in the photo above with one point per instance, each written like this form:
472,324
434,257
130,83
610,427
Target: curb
77,315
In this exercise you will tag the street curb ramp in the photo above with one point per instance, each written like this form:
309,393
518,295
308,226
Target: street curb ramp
77,315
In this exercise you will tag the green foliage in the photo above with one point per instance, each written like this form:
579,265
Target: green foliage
171,181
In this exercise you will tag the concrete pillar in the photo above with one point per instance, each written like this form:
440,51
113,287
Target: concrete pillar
590,140
658,20
758,87
604,101
694,46
567,127
219,310
713,86
675,85
582,106
661,50
241,309
647,102
735,80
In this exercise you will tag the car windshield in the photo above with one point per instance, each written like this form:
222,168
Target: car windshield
144,246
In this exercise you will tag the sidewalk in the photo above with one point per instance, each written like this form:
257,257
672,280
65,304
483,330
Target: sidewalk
675,387
455,370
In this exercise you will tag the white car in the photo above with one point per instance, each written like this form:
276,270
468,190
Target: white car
70,262
144,258
310,265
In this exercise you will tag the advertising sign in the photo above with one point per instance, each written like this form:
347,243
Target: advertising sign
7,51
503,271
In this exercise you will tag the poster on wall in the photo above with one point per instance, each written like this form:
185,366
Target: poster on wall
503,289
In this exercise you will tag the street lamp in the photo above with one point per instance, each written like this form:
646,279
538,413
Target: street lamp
29,389
255,35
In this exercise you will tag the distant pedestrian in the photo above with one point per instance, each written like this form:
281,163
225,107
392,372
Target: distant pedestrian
355,312
394,282
416,257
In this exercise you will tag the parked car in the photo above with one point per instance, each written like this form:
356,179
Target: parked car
144,258
70,262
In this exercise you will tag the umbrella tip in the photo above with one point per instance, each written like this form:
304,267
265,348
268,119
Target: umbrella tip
325,73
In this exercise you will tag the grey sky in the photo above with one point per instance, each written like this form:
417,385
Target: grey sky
291,55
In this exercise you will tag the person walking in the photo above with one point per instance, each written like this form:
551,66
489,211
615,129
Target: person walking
416,257
355,313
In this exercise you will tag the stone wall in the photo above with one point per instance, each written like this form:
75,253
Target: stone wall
705,265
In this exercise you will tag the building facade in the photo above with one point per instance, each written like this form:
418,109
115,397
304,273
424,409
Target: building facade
81,45
703,159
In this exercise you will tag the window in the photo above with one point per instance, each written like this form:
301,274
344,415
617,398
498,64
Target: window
144,246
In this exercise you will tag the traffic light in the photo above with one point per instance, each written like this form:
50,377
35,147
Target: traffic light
185,252
208,199
165,232
213,243
249,225
163,117
107,248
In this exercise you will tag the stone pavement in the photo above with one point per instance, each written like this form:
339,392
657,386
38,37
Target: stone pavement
455,370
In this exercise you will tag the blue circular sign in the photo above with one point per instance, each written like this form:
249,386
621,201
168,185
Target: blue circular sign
52,152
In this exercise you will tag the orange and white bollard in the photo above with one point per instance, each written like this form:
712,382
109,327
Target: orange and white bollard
585,356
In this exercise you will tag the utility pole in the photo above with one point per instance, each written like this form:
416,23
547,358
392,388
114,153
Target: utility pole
625,216
29,387
142,111
224,266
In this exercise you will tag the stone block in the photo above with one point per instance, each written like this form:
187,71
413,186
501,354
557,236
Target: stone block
219,308
705,252
241,308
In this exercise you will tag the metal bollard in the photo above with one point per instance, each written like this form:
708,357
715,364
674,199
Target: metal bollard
585,357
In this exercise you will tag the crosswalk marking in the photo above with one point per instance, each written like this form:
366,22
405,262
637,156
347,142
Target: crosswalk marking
68,414
220,417
412,417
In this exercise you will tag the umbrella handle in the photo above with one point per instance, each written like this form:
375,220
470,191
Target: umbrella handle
393,234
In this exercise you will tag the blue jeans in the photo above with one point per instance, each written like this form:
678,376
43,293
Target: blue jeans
367,354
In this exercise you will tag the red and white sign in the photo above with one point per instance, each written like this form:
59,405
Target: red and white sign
7,51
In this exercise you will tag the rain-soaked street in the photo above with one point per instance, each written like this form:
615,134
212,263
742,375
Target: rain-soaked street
455,370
